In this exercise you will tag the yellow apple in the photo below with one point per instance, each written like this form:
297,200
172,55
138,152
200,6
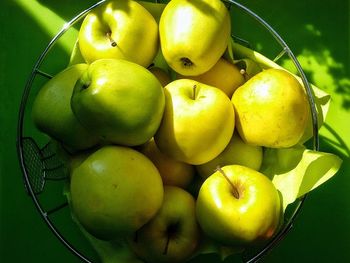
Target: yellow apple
238,206
173,172
120,29
271,109
194,34
197,124
223,75
236,152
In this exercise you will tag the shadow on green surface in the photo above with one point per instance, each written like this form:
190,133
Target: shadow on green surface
313,37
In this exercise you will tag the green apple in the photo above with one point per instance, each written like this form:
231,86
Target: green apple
271,109
236,152
119,100
52,113
115,191
121,29
194,34
172,234
173,172
238,206
198,122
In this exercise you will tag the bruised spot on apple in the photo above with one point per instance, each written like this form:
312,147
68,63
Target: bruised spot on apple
243,203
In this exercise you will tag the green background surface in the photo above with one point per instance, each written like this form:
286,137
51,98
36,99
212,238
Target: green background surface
318,34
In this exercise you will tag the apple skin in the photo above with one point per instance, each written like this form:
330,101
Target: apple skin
115,191
120,101
161,75
173,172
52,113
191,40
248,220
236,152
223,75
172,235
115,30
271,109
197,123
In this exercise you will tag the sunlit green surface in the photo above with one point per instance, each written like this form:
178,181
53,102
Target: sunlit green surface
318,34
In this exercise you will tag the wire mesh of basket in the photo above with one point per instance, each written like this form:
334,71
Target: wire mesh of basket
45,174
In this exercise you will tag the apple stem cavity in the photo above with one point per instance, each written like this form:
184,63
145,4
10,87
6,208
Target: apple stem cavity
186,62
234,188
109,36
171,232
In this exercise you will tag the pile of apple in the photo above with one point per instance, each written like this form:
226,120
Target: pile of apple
166,157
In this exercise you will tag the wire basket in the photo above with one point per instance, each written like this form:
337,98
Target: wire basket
45,175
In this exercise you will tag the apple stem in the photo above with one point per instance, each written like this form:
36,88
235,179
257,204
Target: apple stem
166,246
244,73
234,189
194,92
113,43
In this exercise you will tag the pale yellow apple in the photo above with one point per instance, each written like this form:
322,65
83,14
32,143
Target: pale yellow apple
223,75
194,34
236,152
173,172
271,109
197,123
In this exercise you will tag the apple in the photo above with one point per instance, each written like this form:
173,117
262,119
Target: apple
120,101
115,191
271,109
161,75
197,124
173,172
236,152
52,113
194,34
121,29
238,206
172,234
223,75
